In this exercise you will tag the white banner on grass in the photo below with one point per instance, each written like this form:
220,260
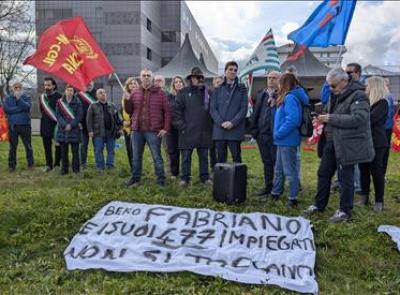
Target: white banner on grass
392,231
254,248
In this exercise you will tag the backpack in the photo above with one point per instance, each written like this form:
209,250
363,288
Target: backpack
306,126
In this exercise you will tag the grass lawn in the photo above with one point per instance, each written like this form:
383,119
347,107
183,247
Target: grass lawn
40,213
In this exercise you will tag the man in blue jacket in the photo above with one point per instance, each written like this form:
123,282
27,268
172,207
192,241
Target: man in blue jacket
17,107
228,111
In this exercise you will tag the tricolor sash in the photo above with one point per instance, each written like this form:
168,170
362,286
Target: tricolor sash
86,97
44,102
66,109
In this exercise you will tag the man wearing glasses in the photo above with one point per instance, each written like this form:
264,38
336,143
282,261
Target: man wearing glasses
228,111
151,120
348,142
17,107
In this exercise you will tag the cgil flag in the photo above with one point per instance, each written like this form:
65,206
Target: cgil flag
68,51
327,25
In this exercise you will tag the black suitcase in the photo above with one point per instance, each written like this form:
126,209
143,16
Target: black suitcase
230,182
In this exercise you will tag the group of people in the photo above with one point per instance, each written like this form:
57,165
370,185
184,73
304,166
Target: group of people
357,127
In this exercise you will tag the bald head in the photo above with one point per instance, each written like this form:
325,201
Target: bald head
273,79
101,95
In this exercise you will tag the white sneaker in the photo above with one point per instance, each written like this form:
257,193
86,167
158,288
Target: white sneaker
311,210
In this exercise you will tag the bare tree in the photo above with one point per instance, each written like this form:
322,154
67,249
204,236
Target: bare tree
16,41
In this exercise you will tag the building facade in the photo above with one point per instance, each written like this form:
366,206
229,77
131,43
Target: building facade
328,56
132,34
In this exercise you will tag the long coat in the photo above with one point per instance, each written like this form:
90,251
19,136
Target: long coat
192,118
229,105
74,135
47,125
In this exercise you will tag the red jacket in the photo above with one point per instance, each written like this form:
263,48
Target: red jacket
159,109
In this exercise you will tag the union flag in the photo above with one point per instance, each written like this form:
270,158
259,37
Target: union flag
68,51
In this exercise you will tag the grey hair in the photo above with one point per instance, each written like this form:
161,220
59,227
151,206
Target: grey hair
337,73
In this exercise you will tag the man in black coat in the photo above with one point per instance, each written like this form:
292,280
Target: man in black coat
87,98
48,122
192,118
262,125
348,142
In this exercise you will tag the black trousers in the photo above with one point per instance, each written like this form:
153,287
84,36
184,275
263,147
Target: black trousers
376,170
387,151
213,156
173,151
65,159
221,150
129,151
47,144
23,131
268,155
326,170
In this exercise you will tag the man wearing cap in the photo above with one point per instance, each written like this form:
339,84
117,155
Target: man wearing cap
262,124
228,110
17,107
192,119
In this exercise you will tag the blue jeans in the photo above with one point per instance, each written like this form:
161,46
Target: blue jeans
139,139
187,164
99,142
286,166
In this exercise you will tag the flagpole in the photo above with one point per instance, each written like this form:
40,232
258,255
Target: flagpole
119,81
340,54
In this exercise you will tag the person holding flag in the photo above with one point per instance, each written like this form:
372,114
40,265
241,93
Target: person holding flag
48,121
69,115
87,98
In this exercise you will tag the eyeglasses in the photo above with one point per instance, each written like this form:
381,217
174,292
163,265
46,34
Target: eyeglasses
146,75
17,87
349,72
232,70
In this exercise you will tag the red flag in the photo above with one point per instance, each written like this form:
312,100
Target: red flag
68,51
3,125
396,133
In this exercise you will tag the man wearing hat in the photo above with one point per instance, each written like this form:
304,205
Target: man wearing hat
228,110
192,119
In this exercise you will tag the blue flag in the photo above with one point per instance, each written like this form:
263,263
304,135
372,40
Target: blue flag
327,25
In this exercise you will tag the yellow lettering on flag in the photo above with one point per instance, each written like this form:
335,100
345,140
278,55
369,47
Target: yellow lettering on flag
72,63
61,38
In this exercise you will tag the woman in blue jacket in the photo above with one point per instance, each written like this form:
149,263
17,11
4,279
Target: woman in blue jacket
287,137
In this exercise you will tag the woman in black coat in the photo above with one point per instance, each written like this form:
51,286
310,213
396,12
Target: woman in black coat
69,115
376,92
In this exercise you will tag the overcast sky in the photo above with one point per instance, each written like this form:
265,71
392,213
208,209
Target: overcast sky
234,28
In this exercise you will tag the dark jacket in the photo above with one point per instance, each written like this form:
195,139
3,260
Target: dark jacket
288,118
262,119
74,135
85,107
350,124
379,112
229,105
192,118
95,119
47,125
18,111
159,109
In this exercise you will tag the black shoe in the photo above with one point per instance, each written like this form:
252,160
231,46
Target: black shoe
161,183
292,204
132,182
263,193
275,197
11,169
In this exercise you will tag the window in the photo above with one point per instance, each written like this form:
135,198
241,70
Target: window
121,18
149,53
169,36
148,24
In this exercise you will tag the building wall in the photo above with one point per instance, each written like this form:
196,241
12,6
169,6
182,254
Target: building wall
129,32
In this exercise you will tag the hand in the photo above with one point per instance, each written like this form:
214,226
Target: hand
127,124
227,125
91,134
324,118
68,127
162,133
17,94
